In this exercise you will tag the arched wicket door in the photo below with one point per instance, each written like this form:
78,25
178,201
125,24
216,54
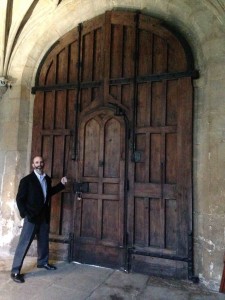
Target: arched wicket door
99,222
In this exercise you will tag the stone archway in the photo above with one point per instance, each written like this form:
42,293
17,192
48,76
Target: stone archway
204,33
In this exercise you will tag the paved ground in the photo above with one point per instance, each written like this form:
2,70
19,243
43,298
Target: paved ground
78,282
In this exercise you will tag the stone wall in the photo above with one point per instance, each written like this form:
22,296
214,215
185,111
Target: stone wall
34,26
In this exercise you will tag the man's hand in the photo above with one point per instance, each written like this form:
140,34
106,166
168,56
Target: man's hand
64,180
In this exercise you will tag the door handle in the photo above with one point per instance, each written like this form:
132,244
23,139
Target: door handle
79,196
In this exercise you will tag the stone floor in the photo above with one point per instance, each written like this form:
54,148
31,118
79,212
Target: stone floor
78,282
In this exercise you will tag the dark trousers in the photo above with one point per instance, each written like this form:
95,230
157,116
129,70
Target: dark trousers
27,235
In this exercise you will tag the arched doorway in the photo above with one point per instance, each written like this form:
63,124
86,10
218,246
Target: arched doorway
113,112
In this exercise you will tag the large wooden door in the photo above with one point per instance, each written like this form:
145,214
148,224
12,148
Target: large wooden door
113,109
99,223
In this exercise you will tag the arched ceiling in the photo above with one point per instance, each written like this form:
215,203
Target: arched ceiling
15,16
18,17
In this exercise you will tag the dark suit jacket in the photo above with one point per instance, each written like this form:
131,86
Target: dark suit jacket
30,198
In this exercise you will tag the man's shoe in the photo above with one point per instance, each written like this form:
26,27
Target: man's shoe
17,277
47,267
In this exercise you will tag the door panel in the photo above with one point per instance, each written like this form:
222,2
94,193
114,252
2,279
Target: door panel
91,148
160,198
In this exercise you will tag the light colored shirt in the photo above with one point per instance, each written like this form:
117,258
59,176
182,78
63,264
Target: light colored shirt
42,180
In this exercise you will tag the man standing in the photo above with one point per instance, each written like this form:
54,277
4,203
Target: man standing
33,201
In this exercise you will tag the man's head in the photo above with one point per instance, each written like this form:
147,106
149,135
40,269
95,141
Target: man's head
38,164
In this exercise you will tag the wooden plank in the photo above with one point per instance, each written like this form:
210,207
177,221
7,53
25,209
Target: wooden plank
143,105
145,53
112,149
73,61
128,51
90,154
60,110
172,102
47,152
171,158
116,58
56,132
110,220
101,196
155,158
58,156
155,219
171,224
98,65
87,48
157,104
107,49
66,213
38,116
51,73
184,170
49,110
159,55
154,190
55,214
89,221
140,224
62,66
70,109
156,129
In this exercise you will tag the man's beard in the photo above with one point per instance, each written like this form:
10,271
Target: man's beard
39,170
